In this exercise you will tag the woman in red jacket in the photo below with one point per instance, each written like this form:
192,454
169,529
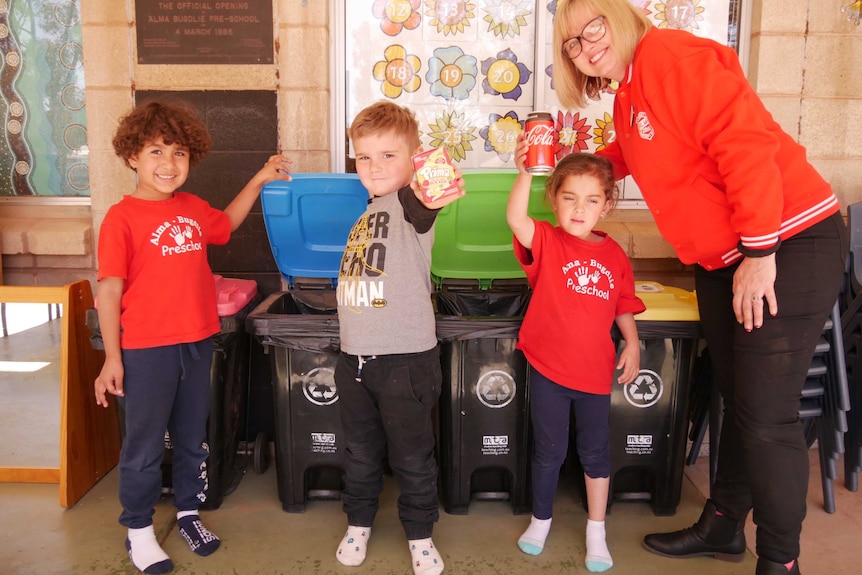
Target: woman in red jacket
735,195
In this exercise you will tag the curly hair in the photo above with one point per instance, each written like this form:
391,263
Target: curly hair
174,122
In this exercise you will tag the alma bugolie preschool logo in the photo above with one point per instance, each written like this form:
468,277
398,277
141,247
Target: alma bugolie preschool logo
178,236
645,390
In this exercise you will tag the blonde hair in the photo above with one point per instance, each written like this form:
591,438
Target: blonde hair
386,117
626,24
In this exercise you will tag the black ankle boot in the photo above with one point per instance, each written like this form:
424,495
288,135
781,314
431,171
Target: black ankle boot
767,567
715,535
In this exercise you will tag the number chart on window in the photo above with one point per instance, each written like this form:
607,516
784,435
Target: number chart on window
471,70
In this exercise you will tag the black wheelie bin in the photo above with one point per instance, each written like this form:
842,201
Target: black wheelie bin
307,221
485,440
649,417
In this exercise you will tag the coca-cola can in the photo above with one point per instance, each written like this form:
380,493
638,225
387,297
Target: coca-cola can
539,128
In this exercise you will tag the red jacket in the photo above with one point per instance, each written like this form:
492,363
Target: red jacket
713,166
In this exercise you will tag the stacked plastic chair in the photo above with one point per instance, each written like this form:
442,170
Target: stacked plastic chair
851,323
830,368
823,408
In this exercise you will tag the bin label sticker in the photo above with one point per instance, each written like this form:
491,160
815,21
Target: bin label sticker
638,444
495,389
318,386
495,445
323,443
645,390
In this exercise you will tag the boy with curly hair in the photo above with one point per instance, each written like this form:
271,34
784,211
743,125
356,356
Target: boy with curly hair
157,315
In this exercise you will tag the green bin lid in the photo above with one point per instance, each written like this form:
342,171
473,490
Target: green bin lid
472,238
666,303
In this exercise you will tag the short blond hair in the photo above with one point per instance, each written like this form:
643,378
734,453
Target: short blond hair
627,25
386,117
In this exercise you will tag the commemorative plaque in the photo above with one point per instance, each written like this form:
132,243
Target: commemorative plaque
204,32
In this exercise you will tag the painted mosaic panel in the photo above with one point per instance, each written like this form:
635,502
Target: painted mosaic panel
44,152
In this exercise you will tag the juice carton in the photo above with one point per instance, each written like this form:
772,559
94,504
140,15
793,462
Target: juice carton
435,174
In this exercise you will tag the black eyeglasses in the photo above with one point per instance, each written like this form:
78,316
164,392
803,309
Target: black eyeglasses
592,32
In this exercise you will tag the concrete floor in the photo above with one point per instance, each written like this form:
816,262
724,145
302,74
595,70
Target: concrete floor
38,537
30,387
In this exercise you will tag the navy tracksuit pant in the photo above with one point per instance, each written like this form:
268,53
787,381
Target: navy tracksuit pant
165,388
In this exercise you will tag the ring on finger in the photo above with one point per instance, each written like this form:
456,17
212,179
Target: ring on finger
756,298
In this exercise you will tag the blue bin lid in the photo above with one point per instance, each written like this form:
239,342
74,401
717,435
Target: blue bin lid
472,239
308,220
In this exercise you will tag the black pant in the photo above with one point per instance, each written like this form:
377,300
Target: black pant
762,456
386,402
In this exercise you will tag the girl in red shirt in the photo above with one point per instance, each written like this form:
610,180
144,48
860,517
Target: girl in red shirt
582,282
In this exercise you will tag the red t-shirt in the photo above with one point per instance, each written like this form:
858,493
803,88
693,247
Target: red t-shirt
579,288
159,249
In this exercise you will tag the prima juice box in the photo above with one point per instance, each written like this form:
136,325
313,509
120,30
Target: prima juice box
435,174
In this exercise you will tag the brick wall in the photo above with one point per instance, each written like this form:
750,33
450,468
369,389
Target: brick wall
804,65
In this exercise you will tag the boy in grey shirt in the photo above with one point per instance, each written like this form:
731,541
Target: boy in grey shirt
388,374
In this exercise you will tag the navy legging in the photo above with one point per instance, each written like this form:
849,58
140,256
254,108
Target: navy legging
550,409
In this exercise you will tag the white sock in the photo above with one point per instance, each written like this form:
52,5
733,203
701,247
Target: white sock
145,552
598,557
533,540
351,550
426,558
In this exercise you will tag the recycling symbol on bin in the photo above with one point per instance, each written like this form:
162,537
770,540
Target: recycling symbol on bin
645,390
495,389
319,386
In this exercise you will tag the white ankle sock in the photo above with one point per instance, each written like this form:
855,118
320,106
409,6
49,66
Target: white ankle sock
351,550
145,552
533,540
426,558
598,557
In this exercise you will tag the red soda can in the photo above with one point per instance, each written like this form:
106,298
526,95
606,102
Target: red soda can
539,128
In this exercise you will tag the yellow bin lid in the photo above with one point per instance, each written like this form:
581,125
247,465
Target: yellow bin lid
666,303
